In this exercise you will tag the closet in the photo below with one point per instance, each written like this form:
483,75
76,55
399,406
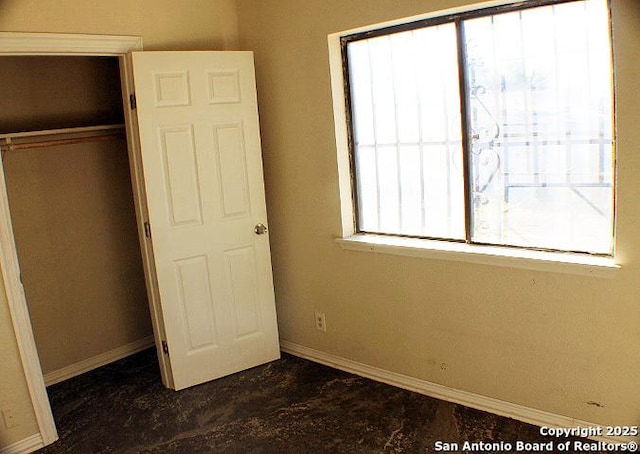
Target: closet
64,154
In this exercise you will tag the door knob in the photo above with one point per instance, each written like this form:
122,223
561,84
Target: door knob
260,229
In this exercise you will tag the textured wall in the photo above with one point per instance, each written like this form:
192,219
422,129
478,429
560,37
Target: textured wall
59,92
550,341
72,210
163,24
75,228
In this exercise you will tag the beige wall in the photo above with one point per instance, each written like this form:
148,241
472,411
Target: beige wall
164,25
75,229
72,210
555,342
59,92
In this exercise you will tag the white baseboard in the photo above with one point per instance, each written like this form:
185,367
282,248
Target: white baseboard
25,446
97,361
477,401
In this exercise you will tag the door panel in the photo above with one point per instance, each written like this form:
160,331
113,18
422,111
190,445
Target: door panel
196,302
241,273
232,167
200,148
181,175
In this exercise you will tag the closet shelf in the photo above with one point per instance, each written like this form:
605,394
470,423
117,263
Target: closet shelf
82,134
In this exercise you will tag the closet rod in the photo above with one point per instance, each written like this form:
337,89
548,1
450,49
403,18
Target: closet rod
51,143
52,132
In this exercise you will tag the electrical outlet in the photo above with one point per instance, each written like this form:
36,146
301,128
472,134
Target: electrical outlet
321,323
9,418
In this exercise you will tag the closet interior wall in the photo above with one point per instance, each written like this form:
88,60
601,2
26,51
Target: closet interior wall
72,210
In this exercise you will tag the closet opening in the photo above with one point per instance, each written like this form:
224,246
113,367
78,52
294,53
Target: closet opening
66,167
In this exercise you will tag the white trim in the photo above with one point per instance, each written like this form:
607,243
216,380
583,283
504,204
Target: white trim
97,361
13,44
17,302
24,446
579,264
67,44
477,401
342,135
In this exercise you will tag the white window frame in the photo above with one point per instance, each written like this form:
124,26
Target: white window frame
562,262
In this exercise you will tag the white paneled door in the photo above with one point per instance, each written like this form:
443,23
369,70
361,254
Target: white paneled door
201,155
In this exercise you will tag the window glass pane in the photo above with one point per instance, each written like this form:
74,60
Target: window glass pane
406,122
540,113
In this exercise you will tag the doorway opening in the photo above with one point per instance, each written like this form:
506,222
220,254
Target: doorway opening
37,45
69,190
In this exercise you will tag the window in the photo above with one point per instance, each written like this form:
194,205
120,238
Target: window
491,127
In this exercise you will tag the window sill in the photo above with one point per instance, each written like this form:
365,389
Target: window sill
558,262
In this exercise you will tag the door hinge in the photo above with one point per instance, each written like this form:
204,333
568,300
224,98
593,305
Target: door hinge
147,229
165,348
132,101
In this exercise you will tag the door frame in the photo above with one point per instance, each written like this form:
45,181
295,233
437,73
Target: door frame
42,44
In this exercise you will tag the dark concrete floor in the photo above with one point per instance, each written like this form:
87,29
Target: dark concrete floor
288,406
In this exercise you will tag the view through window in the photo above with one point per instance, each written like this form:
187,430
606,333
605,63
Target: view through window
491,128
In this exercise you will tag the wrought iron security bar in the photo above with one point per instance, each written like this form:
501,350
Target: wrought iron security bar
420,115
